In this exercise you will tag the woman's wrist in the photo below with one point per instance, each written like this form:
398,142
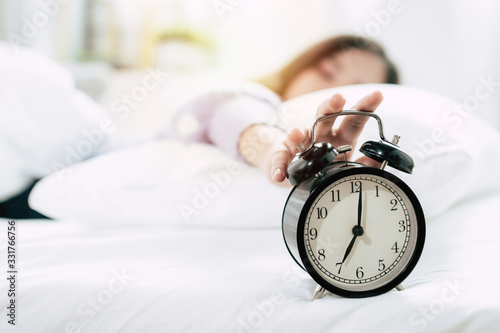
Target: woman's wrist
257,143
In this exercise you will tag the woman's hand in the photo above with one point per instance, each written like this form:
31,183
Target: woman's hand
347,134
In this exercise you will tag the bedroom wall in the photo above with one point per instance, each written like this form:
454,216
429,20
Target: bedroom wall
3,18
447,46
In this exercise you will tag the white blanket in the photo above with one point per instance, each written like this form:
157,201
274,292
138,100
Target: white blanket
75,278
45,123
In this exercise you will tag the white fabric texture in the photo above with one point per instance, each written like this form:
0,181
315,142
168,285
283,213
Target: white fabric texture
191,279
42,119
164,182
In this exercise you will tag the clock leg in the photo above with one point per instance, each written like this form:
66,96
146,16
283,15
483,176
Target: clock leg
318,292
399,287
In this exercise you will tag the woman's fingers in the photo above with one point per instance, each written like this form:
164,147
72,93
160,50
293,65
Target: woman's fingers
347,133
352,126
280,159
296,136
332,105
370,102
284,153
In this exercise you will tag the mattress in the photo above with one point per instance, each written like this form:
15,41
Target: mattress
74,278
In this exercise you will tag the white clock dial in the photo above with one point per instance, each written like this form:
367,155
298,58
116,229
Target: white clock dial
360,232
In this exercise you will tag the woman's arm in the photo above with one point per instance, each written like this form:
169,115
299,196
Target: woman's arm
271,150
258,144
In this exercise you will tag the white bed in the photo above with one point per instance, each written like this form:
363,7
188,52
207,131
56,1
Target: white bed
122,257
183,279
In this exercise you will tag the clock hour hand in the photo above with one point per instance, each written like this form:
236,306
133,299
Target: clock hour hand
349,248
357,231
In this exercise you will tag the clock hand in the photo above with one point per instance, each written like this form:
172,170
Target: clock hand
349,248
360,206
357,230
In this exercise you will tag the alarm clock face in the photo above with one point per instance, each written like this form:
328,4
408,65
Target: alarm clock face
360,233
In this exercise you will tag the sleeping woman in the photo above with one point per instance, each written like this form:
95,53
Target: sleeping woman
237,120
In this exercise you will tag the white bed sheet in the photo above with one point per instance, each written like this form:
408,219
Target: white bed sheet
194,279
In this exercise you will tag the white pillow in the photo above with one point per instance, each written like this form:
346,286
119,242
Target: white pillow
176,183
44,120
162,182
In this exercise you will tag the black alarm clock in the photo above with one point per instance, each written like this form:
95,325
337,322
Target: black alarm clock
358,231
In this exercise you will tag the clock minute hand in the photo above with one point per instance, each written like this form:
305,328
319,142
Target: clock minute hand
360,206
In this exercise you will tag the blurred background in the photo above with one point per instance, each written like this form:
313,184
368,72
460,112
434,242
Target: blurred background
448,46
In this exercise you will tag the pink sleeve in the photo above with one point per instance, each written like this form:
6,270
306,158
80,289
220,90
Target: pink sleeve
220,117
233,117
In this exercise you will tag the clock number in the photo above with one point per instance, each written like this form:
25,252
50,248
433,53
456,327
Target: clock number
358,188
394,202
381,265
321,254
340,266
376,191
395,247
359,273
402,226
322,212
314,233
335,195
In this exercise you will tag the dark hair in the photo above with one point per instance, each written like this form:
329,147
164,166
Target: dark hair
280,80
